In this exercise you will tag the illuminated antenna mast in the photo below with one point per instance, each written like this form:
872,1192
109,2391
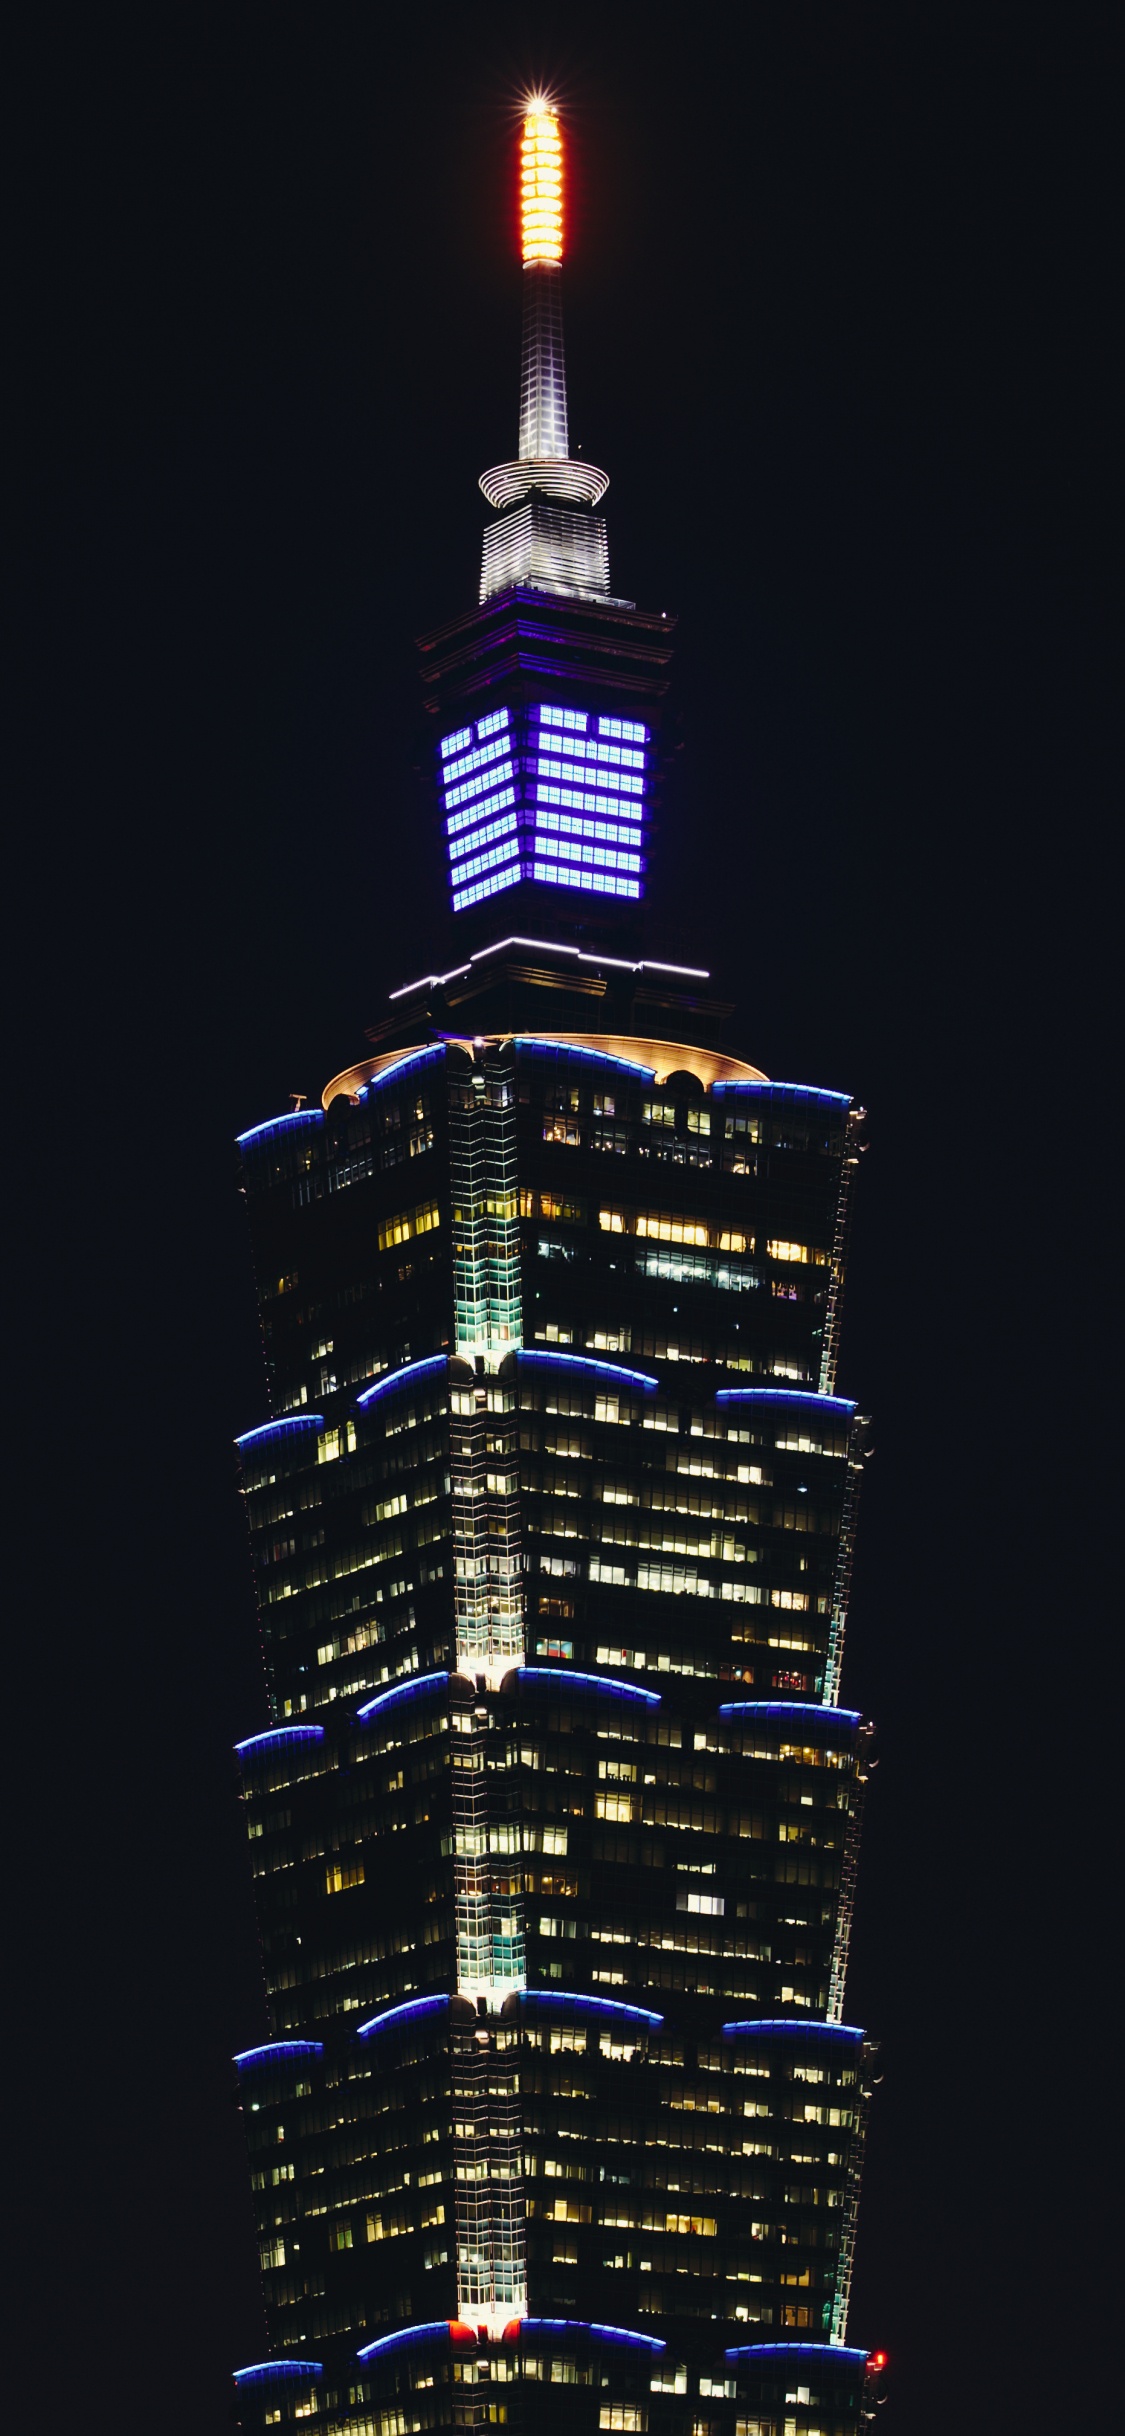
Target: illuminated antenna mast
543,431
549,541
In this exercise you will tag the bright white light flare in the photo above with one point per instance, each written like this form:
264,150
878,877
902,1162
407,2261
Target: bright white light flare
541,184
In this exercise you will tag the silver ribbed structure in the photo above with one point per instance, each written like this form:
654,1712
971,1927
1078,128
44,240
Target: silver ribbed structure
549,541
543,417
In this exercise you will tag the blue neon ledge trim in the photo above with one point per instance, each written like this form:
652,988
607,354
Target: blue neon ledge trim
589,1683
784,1395
281,1429
406,2334
278,2047
596,1057
803,1091
407,1690
390,1074
279,2368
591,2004
295,1116
586,1361
417,2006
789,1708
281,1737
793,2029
798,2351
394,1378
602,2334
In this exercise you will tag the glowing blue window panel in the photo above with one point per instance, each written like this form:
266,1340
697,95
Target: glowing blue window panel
600,883
479,786
496,719
406,2334
280,1429
783,2352
601,2005
606,1685
486,835
277,2051
263,2370
815,2031
410,1689
590,807
591,856
802,1712
281,1738
398,1378
799,1091
456,743
552,716
475,863
419,2009
483,757
601,2334
480,813
630,729
282,1124
786,1395
485,888
568,824
616,782
597,1057
588,1361
404,1065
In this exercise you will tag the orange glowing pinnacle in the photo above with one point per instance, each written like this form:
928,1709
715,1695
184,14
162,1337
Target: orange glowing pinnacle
541,184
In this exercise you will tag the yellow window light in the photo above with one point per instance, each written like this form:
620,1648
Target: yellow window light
541,162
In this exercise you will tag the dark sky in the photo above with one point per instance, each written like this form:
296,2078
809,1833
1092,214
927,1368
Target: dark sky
840,327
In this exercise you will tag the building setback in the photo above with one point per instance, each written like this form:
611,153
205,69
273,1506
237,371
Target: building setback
554,1824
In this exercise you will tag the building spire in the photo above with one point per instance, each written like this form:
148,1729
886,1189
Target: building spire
565,560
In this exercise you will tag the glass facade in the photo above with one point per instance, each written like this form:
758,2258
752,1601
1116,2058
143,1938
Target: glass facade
554,1811
550,793
554,1828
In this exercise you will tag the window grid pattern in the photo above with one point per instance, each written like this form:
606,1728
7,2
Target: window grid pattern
548,793
538,1831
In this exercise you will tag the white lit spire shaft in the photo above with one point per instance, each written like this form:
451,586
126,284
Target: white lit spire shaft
543,418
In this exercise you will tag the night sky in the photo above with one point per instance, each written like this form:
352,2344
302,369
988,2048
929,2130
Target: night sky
839,326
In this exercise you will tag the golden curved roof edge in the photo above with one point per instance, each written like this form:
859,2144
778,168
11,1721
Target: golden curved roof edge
667,1056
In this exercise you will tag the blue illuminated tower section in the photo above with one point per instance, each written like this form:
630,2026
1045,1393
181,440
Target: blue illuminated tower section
549,794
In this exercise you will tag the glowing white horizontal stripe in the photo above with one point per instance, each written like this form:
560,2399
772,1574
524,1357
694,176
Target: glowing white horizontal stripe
564,824
482,837
585,748
480,785
601,858
479,759
486,888
552,947
484,862
552,716
600,883
621,781
571,478
630,728
481,811
608,805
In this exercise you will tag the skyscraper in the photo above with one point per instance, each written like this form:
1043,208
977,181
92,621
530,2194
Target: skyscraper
554,1823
